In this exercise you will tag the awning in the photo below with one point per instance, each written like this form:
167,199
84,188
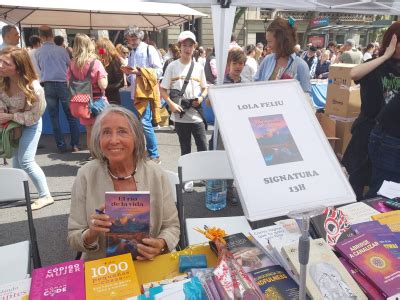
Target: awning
95,14
348,27
374,7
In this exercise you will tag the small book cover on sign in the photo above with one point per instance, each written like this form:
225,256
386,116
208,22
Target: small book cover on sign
111,278
17,290
130,217
279,155
374,261
62,281
327,278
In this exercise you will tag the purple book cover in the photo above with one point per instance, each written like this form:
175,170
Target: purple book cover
130,217
62,281
374,261
370,227
275,140
368,288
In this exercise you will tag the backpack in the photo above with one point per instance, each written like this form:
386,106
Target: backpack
81,94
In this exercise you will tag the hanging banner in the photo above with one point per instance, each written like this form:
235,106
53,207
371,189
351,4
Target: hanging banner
279,154
319,22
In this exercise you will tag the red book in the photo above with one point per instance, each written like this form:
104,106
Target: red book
374,261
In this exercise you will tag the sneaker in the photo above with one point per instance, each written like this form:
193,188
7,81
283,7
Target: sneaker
157,160
42,202
230,196
188,187
75,149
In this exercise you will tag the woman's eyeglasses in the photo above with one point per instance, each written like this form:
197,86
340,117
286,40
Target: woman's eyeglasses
126,52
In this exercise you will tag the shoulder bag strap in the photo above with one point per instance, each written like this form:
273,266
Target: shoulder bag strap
90,70
186,82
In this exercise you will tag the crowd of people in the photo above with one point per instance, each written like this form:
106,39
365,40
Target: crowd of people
122,144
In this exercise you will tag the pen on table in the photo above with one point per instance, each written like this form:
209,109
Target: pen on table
99,212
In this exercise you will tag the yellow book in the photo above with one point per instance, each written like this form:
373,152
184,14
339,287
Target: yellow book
111,278
391,219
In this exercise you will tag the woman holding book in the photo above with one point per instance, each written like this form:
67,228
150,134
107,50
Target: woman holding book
118,144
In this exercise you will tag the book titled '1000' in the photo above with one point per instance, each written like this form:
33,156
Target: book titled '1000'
129,214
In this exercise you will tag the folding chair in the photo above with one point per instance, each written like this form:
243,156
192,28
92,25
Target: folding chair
206,165
14,186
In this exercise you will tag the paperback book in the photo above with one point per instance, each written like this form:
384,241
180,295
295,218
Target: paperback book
391,219
275,283
332,225
374,261
246,253
111,278
130,217
62,281
327,278
272,238
378,203
17,290
369,289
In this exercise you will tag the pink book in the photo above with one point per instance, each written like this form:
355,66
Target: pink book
374,261
62,281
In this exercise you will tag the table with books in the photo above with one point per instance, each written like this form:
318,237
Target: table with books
355,251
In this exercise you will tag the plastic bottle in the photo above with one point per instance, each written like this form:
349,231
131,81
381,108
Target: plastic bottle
216,194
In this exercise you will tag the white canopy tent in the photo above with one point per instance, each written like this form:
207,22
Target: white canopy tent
92,14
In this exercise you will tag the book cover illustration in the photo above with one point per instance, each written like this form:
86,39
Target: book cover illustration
62,281
246,253
374,261
275,283
17,290
327,277
275,140
130,217
332,225
111,278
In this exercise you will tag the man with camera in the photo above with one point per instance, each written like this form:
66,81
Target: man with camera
184,87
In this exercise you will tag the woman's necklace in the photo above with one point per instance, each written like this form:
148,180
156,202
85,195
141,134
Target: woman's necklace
121,178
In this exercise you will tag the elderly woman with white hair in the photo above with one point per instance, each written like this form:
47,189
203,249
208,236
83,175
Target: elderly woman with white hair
118,144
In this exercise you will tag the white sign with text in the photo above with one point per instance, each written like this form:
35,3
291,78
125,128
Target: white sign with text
278,152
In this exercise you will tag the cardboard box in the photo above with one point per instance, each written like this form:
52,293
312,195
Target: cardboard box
343,132
339,75
342,102
337,132
329,127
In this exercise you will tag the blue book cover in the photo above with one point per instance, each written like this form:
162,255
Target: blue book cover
275,283
129,214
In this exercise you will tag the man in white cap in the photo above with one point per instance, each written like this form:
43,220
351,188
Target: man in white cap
187,112
351,54
143,56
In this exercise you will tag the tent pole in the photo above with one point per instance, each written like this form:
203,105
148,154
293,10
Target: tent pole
21,34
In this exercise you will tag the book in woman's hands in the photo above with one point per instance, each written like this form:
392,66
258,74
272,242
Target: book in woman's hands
129,214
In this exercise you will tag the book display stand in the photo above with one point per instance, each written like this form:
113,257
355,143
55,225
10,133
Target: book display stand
303,218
